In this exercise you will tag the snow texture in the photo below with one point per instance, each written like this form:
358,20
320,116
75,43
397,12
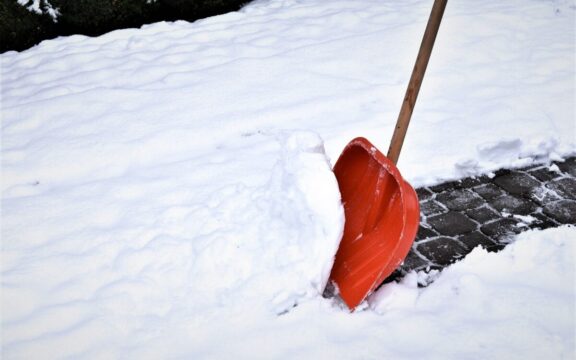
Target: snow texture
166,191
39,7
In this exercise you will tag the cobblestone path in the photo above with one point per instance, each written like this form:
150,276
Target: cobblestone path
487,211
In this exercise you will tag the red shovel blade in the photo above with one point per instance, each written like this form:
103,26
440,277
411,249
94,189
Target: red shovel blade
382,217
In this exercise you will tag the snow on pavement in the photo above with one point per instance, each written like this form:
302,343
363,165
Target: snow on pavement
166,191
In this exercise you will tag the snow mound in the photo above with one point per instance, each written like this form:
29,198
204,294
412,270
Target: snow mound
89,262
514,304
277,242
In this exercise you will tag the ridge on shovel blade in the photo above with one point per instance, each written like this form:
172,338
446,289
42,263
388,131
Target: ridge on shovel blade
382,217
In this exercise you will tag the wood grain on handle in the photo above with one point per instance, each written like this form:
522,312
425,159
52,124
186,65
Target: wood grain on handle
416,80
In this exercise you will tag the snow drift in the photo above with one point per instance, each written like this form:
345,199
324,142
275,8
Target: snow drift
166,191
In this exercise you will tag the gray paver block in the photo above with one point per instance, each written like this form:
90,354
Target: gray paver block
544,195
544,174
482,214
517,183
431,207
543,221
442,250
514,205
424,233
459,199
476,238
460,184
489,191
474,181
563,211
413,261
451,185
565,187
501,228
568,167
452,223
423,194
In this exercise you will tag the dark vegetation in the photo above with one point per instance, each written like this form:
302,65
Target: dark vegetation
21,29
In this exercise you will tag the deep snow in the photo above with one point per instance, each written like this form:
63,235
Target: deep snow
166,191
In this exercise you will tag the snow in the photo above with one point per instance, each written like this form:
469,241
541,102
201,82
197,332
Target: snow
40,7
166,191
518,303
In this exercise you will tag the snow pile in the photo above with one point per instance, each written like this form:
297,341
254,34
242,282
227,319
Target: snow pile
165,190
519,303
515,304
137,251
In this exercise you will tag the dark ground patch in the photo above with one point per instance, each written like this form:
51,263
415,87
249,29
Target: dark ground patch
458,216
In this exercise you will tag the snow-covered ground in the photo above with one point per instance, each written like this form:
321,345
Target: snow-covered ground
166,191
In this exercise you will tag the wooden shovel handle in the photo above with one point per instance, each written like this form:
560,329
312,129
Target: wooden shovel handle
416,80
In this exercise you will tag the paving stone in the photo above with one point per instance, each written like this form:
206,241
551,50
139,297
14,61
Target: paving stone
568,167
543,174
474,181
489,191
502,172
517,183
425,232
565,187
459,199
423,194
544,195
452,223
543,222
431,207
442,250
413,261
502,227
482,214
445,186
460,184
476,238
563,211
513,205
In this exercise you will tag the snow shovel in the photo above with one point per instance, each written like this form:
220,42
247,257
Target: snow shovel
381,209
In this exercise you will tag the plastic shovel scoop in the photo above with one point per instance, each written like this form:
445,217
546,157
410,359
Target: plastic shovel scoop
381,209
